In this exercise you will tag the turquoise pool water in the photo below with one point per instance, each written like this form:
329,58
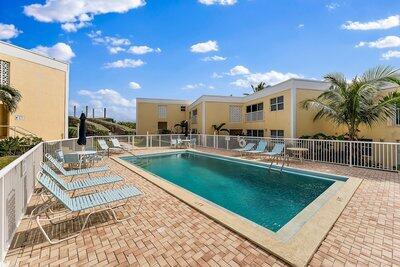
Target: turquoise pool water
270,199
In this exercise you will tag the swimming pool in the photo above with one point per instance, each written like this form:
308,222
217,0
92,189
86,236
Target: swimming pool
268,198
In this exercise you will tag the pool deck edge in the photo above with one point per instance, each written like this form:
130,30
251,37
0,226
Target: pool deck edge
296,251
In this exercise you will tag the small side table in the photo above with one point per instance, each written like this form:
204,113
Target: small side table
300,151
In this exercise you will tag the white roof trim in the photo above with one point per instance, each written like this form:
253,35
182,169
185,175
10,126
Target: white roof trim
162,101
19,52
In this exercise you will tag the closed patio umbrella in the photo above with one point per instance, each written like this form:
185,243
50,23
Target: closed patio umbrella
82,130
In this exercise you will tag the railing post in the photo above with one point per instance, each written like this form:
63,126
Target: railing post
133,141
147,139
313,150
159,140
350,154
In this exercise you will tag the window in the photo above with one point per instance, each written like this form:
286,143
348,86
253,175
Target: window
183,108
255,112
277,103
235,113
4,72
162,112
397,118
255,133
277,133
193,116
162,125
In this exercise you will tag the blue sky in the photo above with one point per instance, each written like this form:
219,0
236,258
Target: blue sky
181,49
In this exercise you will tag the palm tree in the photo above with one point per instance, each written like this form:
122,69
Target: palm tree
360,101
218,128
183,126
10,97
258,87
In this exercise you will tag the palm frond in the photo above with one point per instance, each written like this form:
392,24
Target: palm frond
10,97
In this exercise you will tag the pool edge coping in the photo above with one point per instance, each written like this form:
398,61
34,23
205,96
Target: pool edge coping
296,251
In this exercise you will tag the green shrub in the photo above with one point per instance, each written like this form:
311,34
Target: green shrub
115,128
129,124
14,146
72,132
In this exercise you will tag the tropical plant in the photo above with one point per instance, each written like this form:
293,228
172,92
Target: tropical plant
13,146
182,126
259,87
10,97
128,124
218,128
360,101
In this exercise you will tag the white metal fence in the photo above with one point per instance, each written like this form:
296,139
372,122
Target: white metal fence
17,180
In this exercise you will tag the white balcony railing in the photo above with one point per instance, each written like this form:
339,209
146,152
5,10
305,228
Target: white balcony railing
254,116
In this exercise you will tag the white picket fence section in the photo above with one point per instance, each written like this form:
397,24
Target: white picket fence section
17,180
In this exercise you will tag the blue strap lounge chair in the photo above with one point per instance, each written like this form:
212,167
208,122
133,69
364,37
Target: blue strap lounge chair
72,173
81,184
247,147
105,148
108,200
262,145
276,151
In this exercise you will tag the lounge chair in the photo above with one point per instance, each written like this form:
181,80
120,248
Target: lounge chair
116,144
82,184
104,147
108,200
247,147
176,143
276,151
73,173
262,145
69,159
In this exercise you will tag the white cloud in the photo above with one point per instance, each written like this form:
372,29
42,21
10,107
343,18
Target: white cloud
193,86
216,75
134,85
118,107
214,58
300,26
270,78
388,41
239,70
59,51
114,44
8,31
218,2
391,54
75,14
204,47
125,63
381,24
143,49
332,6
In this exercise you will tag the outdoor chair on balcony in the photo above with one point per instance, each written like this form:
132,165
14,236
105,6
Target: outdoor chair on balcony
109,200
244,149
72,173
81,184
262,145
176,143
106,149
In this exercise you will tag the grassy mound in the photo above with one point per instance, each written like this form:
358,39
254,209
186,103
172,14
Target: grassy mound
93,128
115,128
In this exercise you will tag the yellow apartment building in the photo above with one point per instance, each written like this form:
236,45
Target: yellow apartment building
43,83
273,112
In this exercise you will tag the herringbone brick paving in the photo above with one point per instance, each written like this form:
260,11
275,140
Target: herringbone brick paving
167,232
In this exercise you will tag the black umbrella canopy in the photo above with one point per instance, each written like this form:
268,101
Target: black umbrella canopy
82,130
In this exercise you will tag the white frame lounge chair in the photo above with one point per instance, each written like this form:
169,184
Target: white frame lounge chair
72,173
116,144
246,148
276,151
104,147
108,200
261,147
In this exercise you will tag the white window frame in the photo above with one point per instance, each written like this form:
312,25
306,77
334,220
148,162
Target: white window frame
277,135
279,100
162,111
257,115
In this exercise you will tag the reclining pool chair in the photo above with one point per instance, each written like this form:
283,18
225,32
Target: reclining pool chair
108,200
72,173
81,184
246,148
262,145
105,148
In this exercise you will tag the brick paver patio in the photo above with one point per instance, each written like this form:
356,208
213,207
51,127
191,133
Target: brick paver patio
168,232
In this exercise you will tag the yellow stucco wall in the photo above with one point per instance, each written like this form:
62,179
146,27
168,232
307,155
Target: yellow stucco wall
273,120
198,125
147,116
217,113
42,107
